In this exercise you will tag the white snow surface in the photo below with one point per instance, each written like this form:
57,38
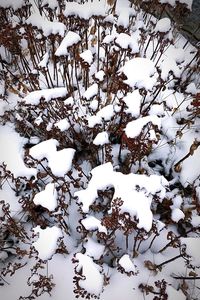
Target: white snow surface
85,10
46,243
47,198
69,40
133,101
59,162
136,203
46,26
10,3
87,56
91,91
100,75
177,215
93,249
91,223
192,248
34,97
101,139
62,124
44,149
163,25
93,279
140,77
126,263
12,152
134,128
43,63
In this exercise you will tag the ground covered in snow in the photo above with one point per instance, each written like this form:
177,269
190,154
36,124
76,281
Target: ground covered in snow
99,157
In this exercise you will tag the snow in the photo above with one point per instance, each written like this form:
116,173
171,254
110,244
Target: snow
144,77
163,25
87,56
44,149
85,10
62,124
133,101
91,223
101,139
43,63
46,243
34,97
173,2
134,128
93,279
190,167
69,40
51,3
101,185
134,202
108,39
12,152
191,89
91,91
93,249
59,162
105,114
177,215
170,61
195,221
10,3
94,104
47,198
192,249
123,40
9,196
100,75
126,263
46,26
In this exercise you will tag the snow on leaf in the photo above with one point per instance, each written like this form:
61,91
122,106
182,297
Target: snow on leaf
46,243
91,223
123,40
100,75
163,25
10,3
91,91
144,77
87,56
101,139
93,249
126,263
48,94
44,149
136,203
133,101
69,40
46,26
60,162
84,10
44,62
93,279
177,215
47,198
134,128
62,124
